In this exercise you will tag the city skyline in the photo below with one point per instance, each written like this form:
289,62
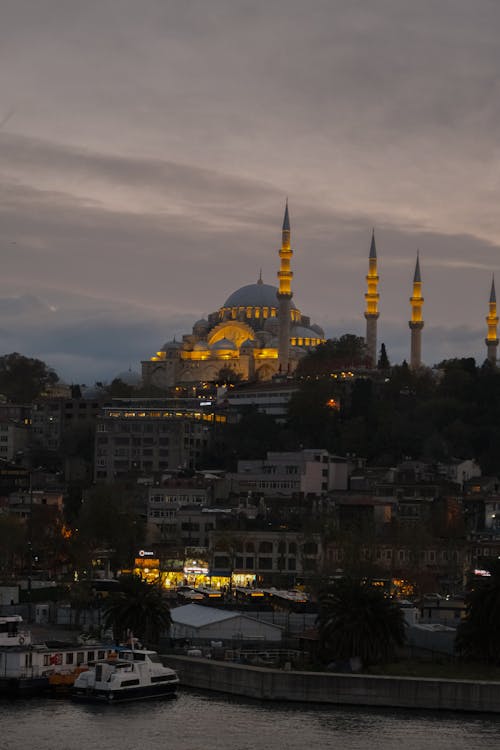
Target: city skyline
147,153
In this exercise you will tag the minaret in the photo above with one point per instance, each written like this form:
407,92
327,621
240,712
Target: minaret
416,323
372,297
284,295
491,339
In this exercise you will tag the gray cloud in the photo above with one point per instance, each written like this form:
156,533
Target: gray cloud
146,151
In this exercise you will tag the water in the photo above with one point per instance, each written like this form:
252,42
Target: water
195,721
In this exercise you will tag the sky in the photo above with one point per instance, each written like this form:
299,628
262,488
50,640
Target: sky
147,150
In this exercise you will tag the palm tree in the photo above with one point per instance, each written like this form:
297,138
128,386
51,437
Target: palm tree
357,620
139,608
477,635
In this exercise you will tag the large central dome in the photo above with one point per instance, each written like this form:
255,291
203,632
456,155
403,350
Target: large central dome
254,295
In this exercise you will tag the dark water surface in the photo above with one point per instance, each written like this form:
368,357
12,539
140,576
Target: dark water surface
196,721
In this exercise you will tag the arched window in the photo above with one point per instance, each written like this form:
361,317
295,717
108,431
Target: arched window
266,547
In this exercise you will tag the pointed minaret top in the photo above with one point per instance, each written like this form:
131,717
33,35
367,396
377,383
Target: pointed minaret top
286,220
493,296
416,277
259,280
373,248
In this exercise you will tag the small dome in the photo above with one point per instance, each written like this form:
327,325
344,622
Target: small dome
171,345
201,325
248,343
224,344
200,346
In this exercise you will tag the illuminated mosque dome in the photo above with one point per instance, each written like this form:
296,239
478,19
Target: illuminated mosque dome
257,295
259,329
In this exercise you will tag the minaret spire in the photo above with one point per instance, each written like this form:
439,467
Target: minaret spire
284,295
491,340
416,323
372,297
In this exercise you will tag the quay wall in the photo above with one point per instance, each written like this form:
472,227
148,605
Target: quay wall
341,689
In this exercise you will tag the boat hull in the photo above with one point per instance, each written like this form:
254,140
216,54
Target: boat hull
16,687
141,693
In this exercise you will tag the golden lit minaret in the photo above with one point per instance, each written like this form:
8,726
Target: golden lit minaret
491,340
416,323
284,295
372,297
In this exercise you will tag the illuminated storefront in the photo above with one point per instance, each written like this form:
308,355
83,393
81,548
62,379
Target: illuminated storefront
147,566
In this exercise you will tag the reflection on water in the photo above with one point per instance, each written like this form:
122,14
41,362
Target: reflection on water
196,721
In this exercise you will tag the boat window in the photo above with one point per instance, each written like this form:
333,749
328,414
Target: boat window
70,657
139,657
127,683
80,657
90,656
100,654
155,658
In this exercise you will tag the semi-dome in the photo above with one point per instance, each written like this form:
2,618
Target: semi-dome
224,344
304,333
315,327
200,346
247,343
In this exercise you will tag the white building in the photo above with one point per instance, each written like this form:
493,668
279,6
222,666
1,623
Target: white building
312,471
198,623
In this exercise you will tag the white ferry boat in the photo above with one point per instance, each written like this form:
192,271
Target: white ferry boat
130,675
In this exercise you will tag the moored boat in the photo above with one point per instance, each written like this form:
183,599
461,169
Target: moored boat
131,675
28,668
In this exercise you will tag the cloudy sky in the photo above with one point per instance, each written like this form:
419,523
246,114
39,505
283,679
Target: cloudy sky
147,148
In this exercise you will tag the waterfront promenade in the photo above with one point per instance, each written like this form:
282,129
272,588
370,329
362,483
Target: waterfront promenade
337,689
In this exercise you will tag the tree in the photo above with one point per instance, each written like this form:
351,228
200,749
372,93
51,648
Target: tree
477,634
346,352
357,620
383,361
13,545
23,379
227,376
138,608
109,519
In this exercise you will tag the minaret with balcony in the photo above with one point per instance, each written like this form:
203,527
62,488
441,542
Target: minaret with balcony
284,295
371,298
416,323
491,340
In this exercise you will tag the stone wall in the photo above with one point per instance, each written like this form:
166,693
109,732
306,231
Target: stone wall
321,687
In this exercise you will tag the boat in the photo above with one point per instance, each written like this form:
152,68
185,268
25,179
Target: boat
130,675
28,668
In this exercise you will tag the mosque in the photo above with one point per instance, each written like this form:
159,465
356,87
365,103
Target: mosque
259,332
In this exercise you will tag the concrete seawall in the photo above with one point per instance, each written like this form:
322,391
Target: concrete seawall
321,687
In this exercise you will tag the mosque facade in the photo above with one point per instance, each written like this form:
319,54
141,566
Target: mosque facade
257,333
260,332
